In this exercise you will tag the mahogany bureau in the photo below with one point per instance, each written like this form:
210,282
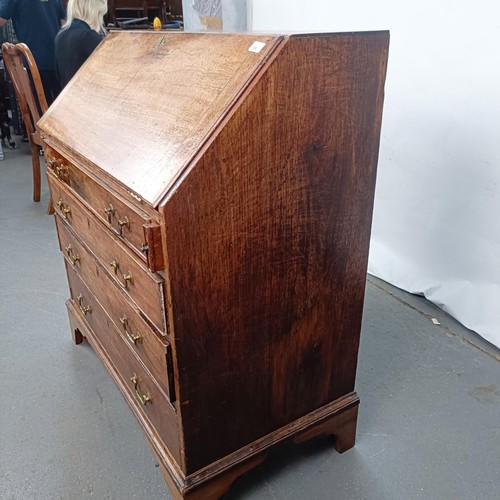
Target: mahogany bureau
213,199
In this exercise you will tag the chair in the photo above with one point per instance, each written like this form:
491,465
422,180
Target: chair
26,81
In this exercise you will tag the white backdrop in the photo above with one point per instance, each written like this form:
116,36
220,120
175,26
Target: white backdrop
436,228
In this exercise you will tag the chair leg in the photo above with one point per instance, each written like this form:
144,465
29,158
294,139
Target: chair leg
50,208
35,159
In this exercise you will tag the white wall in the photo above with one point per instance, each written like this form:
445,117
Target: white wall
436,227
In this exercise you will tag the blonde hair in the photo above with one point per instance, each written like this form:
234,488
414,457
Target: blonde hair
90,11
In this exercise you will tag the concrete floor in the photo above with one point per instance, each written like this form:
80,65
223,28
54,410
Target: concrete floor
429,423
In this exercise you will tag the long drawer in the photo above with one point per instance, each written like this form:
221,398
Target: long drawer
146,289
154,352
131,374
135,227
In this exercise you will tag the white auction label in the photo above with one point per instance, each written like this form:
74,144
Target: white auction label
257,47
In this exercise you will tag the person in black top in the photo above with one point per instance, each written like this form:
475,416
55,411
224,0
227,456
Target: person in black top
82,33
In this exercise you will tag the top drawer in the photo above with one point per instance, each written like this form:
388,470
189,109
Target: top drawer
137,229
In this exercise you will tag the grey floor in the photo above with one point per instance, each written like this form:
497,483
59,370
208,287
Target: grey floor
429,424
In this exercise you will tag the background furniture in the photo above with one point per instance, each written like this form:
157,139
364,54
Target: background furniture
166,10
215,221
25,77
7,34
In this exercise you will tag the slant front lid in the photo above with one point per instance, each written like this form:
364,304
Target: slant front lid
143,103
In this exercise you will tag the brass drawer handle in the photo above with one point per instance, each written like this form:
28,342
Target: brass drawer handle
110,212
59,171
115,265
84,309
143,399
134,338
127,278
65,210
71,255
123,223
57,167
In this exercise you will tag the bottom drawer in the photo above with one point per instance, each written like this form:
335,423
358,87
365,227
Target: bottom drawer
128,372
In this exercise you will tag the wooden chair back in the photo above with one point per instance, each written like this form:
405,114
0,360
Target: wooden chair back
23,71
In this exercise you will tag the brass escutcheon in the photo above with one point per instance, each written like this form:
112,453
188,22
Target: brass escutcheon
160,42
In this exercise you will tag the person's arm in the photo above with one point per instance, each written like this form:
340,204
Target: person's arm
6,11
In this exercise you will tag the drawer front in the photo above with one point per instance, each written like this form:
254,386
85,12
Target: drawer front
137,229
143,341
144,288
133,376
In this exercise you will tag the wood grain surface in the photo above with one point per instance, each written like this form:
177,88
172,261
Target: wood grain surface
222,192
267,241
144,102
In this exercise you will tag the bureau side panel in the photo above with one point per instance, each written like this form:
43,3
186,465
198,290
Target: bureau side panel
267,240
